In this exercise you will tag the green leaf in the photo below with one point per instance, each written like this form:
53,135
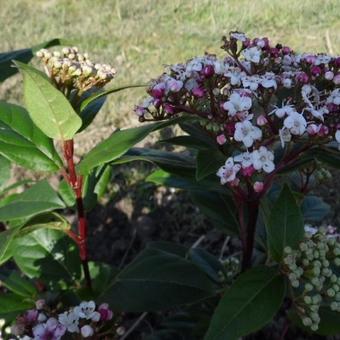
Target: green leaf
328,155
6,239
159,157
208,162
67,194
118,144
157,280
48,107
188,141
49,255
285,227
23,143
85,103
314,208
248,305
5,173
219,208
185,181
39,198
23,55
14,304
17,284
207,262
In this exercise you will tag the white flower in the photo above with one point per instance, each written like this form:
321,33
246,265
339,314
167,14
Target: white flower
194,65
86,331
191,84
251,82
220,67
235,76
252,54
322,59
296,123
174,85
86,310
334,97
245,158
268,81
287,83
228,172
247,133
70,320
238,36
285,136
337,136
263,159
280,112
318,113
237,103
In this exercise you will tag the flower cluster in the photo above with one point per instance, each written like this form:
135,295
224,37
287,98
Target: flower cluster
43,324
313,274
70,69
258,98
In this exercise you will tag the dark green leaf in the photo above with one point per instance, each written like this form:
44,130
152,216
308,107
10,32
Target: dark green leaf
157,281
49,255
285,226
185,181
6,240
207,262
314,209
208,162
118,143
48,107
248,305
219,208
67,194
23,143
14,304
17,284
23,55
159,157
188,141
39,198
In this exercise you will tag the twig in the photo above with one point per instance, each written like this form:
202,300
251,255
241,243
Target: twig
198,242
225,244
134,326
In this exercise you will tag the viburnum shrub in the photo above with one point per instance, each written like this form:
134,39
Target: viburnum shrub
260,117
260,128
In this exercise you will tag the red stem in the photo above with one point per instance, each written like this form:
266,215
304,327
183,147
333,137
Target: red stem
76,183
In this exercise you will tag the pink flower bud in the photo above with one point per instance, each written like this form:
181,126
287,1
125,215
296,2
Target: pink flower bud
208,71
198,92
302,77
169,108
86,331
337,62
336,79
310,59
286,50
248,171
105,312
323,131
40,304
221,139
258,187
158,91
313,129
329,75
316,70
261,120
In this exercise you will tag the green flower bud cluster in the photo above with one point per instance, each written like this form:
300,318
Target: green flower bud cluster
232,266
322,174
73,70
210,125
312,272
